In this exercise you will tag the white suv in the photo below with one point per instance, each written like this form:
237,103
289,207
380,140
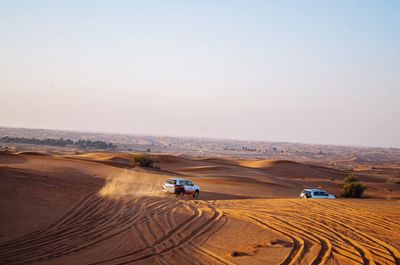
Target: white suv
316,194
180,187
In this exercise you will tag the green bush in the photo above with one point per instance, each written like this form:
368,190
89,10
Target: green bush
350,178
352,187
142,161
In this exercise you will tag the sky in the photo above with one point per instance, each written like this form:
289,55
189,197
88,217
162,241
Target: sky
324,72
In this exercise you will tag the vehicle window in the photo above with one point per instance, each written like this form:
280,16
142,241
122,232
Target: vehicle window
324,194
317,193
189,183
170,181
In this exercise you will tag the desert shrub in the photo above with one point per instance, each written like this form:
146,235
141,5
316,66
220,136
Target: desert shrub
352,187
142,161
350,178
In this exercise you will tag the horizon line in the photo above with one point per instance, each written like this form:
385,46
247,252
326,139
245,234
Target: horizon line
200,137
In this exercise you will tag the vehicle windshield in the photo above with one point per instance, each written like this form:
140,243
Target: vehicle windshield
170,181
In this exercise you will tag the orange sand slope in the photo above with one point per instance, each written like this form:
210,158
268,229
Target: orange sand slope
90,209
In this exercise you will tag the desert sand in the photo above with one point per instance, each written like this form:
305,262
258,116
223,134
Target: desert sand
94,208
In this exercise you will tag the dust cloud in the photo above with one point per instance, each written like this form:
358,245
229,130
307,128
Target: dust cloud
132,184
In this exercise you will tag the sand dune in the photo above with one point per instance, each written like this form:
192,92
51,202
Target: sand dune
264,163
33,153
79,210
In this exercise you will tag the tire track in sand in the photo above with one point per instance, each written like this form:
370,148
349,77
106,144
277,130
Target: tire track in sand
88,226
196,225
338,232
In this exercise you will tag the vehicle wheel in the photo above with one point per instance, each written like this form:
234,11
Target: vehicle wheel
196,194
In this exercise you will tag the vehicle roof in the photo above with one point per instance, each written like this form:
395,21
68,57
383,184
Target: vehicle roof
314,190
177,178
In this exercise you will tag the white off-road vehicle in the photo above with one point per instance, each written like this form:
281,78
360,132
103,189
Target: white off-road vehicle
181,187
316,194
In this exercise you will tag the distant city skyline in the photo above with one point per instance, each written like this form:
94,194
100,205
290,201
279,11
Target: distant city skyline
306,72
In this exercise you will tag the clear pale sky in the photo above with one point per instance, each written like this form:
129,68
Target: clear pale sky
297,71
